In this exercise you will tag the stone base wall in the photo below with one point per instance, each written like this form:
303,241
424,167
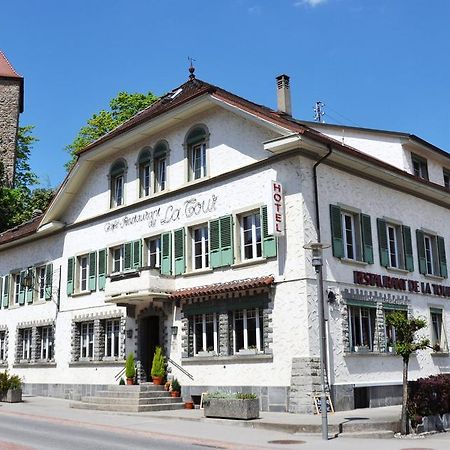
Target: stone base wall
346,397
65,391
271,398
305,381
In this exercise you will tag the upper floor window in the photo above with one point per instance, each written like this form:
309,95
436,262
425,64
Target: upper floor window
160,166
41,282
200,247
117,183
351,234
251,242
446,174
154,252
117,259
196,142
395,245
420,166
431,254
144,172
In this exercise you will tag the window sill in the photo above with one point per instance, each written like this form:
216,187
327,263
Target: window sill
197,272
249,262
81,294
397,269
376,354
34,364
440,354
92,363
353,261
124,275
233,359
433,277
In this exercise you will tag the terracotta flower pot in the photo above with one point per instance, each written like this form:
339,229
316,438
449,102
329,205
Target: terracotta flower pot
130,380
188,405
157,380
175,393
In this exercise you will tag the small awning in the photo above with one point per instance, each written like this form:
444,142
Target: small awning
223,288
136,298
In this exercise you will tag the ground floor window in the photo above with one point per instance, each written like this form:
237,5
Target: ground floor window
205,333
87,340
112,338
390,335
247,330
25,345
45,341
438,335
361,328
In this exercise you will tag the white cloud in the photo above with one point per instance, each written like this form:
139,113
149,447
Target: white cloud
311,3
254,9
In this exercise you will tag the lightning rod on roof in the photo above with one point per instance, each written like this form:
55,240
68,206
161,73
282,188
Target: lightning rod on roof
191,68
319,112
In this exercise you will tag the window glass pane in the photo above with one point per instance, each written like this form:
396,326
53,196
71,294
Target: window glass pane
209,328
154,252
198,332
239,329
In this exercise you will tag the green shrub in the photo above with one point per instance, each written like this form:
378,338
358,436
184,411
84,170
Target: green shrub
229,395
176,385
159,364
9,382
242,396
130,370
122,381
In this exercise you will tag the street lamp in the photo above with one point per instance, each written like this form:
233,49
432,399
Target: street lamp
317,262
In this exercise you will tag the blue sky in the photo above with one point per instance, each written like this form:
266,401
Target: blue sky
374,63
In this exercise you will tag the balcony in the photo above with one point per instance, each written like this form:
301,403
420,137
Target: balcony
136,287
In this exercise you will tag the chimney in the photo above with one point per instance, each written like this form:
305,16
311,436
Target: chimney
283,95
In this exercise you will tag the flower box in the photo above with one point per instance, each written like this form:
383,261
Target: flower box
232,408
12,396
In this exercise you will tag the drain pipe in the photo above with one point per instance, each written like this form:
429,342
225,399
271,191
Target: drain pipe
321,308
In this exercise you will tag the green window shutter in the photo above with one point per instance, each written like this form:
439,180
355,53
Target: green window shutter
30,291
442,258
383,242
178,251
407,246
101,269
137,254
226,240
336,231
92,271
214,243
269,241
421,251
22,288
5,296
48,281
127,255
366,233
166,257
70,280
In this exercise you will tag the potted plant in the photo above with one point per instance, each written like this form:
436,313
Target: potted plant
10,388
158,366
130,369
231,406
176,388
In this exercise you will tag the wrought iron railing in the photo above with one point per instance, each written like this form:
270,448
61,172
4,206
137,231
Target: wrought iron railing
171,361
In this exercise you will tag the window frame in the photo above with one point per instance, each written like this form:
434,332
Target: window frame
196,143
254,229
438,334
144,172
87,336
200,243
117,175
160,165
259,334
446,178
203,320
3,349
46,342
153,253
112,338
355,322
419,166
26,338
121,260
41,279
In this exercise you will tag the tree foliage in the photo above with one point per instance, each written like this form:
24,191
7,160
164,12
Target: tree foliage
406,344
19,202
121,108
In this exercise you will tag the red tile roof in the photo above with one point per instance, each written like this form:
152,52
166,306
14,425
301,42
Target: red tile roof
223,288
6,69
21,231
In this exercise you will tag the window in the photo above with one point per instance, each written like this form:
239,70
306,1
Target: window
200,247
251,243
205,333
46,343
154,252
351,234
446,174
389,330
431,254
160,167
17,288
117,183
361,328
112,338
25,336
144,172
395,245
420,167
196,153
247,330
40,282
438,337
2,346
87,340
83,264
117,259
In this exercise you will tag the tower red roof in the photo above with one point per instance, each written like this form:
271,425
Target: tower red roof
8,71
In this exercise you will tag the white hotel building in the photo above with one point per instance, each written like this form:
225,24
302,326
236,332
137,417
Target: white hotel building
161,235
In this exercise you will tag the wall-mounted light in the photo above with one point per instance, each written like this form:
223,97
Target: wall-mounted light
130,333
174,330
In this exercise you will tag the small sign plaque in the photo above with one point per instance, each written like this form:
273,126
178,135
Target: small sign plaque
318,404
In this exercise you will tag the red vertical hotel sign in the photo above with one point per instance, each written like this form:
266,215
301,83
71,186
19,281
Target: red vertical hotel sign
275,210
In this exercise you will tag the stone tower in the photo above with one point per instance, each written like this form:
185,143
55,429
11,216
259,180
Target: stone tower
11,105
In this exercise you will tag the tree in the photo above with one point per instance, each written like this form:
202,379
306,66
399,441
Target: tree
19,203
121,108
406,344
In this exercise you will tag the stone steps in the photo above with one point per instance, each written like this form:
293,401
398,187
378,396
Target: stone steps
376,434
141,398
